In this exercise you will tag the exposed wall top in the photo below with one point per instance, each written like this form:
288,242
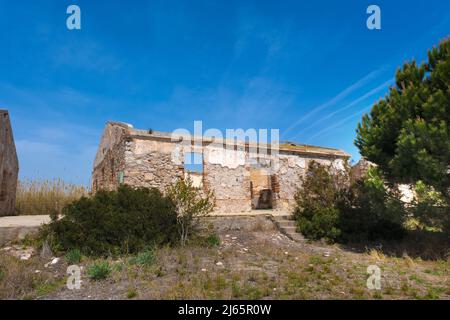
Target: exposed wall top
285,147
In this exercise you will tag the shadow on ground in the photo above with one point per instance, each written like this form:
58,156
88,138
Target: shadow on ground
421,244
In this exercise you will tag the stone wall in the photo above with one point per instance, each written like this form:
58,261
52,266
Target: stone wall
109,165
290,174
231,187
9,167
239,178
150,165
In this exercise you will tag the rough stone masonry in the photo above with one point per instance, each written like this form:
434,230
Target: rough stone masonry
241,175
9,166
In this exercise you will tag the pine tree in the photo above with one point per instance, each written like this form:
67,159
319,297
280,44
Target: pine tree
407,132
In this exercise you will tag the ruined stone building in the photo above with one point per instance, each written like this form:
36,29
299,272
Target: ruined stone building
240,174
9,166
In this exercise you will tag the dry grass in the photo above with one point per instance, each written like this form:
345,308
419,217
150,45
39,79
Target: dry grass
253,265
44,197
377,255
19,280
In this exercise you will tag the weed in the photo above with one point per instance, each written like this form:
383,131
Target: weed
213,240
416,279
159,271
99,270
73,256
236,290
145,258
434,293
49,287
119,266
377,255
377,295
132,293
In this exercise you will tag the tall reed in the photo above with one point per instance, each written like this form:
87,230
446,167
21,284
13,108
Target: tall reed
42,197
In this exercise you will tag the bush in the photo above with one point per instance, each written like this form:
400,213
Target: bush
213,240
373,211
329,207
99,270
73,256
145,258
431,207
190,203
317,212
114,222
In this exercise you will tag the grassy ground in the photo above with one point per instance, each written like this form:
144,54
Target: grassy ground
252,261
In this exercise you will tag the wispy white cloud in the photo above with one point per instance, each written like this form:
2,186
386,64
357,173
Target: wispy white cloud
351,104
363,81
256,102
339,123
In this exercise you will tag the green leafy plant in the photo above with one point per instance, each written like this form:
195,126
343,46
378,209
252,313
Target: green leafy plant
132,293
373,211
430,207
145,258
213,240
114,222
317,203
73,256
99,270
330,207
190,204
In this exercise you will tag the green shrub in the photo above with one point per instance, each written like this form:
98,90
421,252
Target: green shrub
213,240
73,256
132,293
329,207
145,258
114,222
190,203
119,267
431,207
99,270
317,212
373,211
322,223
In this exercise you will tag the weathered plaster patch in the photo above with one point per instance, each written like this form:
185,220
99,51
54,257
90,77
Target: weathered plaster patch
339,165
146,146
226,158
294,161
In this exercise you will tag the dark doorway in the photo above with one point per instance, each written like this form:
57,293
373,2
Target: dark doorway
260,189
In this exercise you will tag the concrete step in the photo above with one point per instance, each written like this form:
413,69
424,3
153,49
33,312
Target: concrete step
291,229
283,218
292,234
286,223
296,237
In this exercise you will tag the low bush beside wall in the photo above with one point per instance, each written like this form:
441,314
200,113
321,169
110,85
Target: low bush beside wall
330,207
114,222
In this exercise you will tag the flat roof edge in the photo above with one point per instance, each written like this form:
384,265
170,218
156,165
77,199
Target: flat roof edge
283,147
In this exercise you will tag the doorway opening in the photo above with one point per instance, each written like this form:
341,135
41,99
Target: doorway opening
260,189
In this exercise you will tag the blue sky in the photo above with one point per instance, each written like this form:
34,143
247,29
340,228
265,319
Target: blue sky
308,68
